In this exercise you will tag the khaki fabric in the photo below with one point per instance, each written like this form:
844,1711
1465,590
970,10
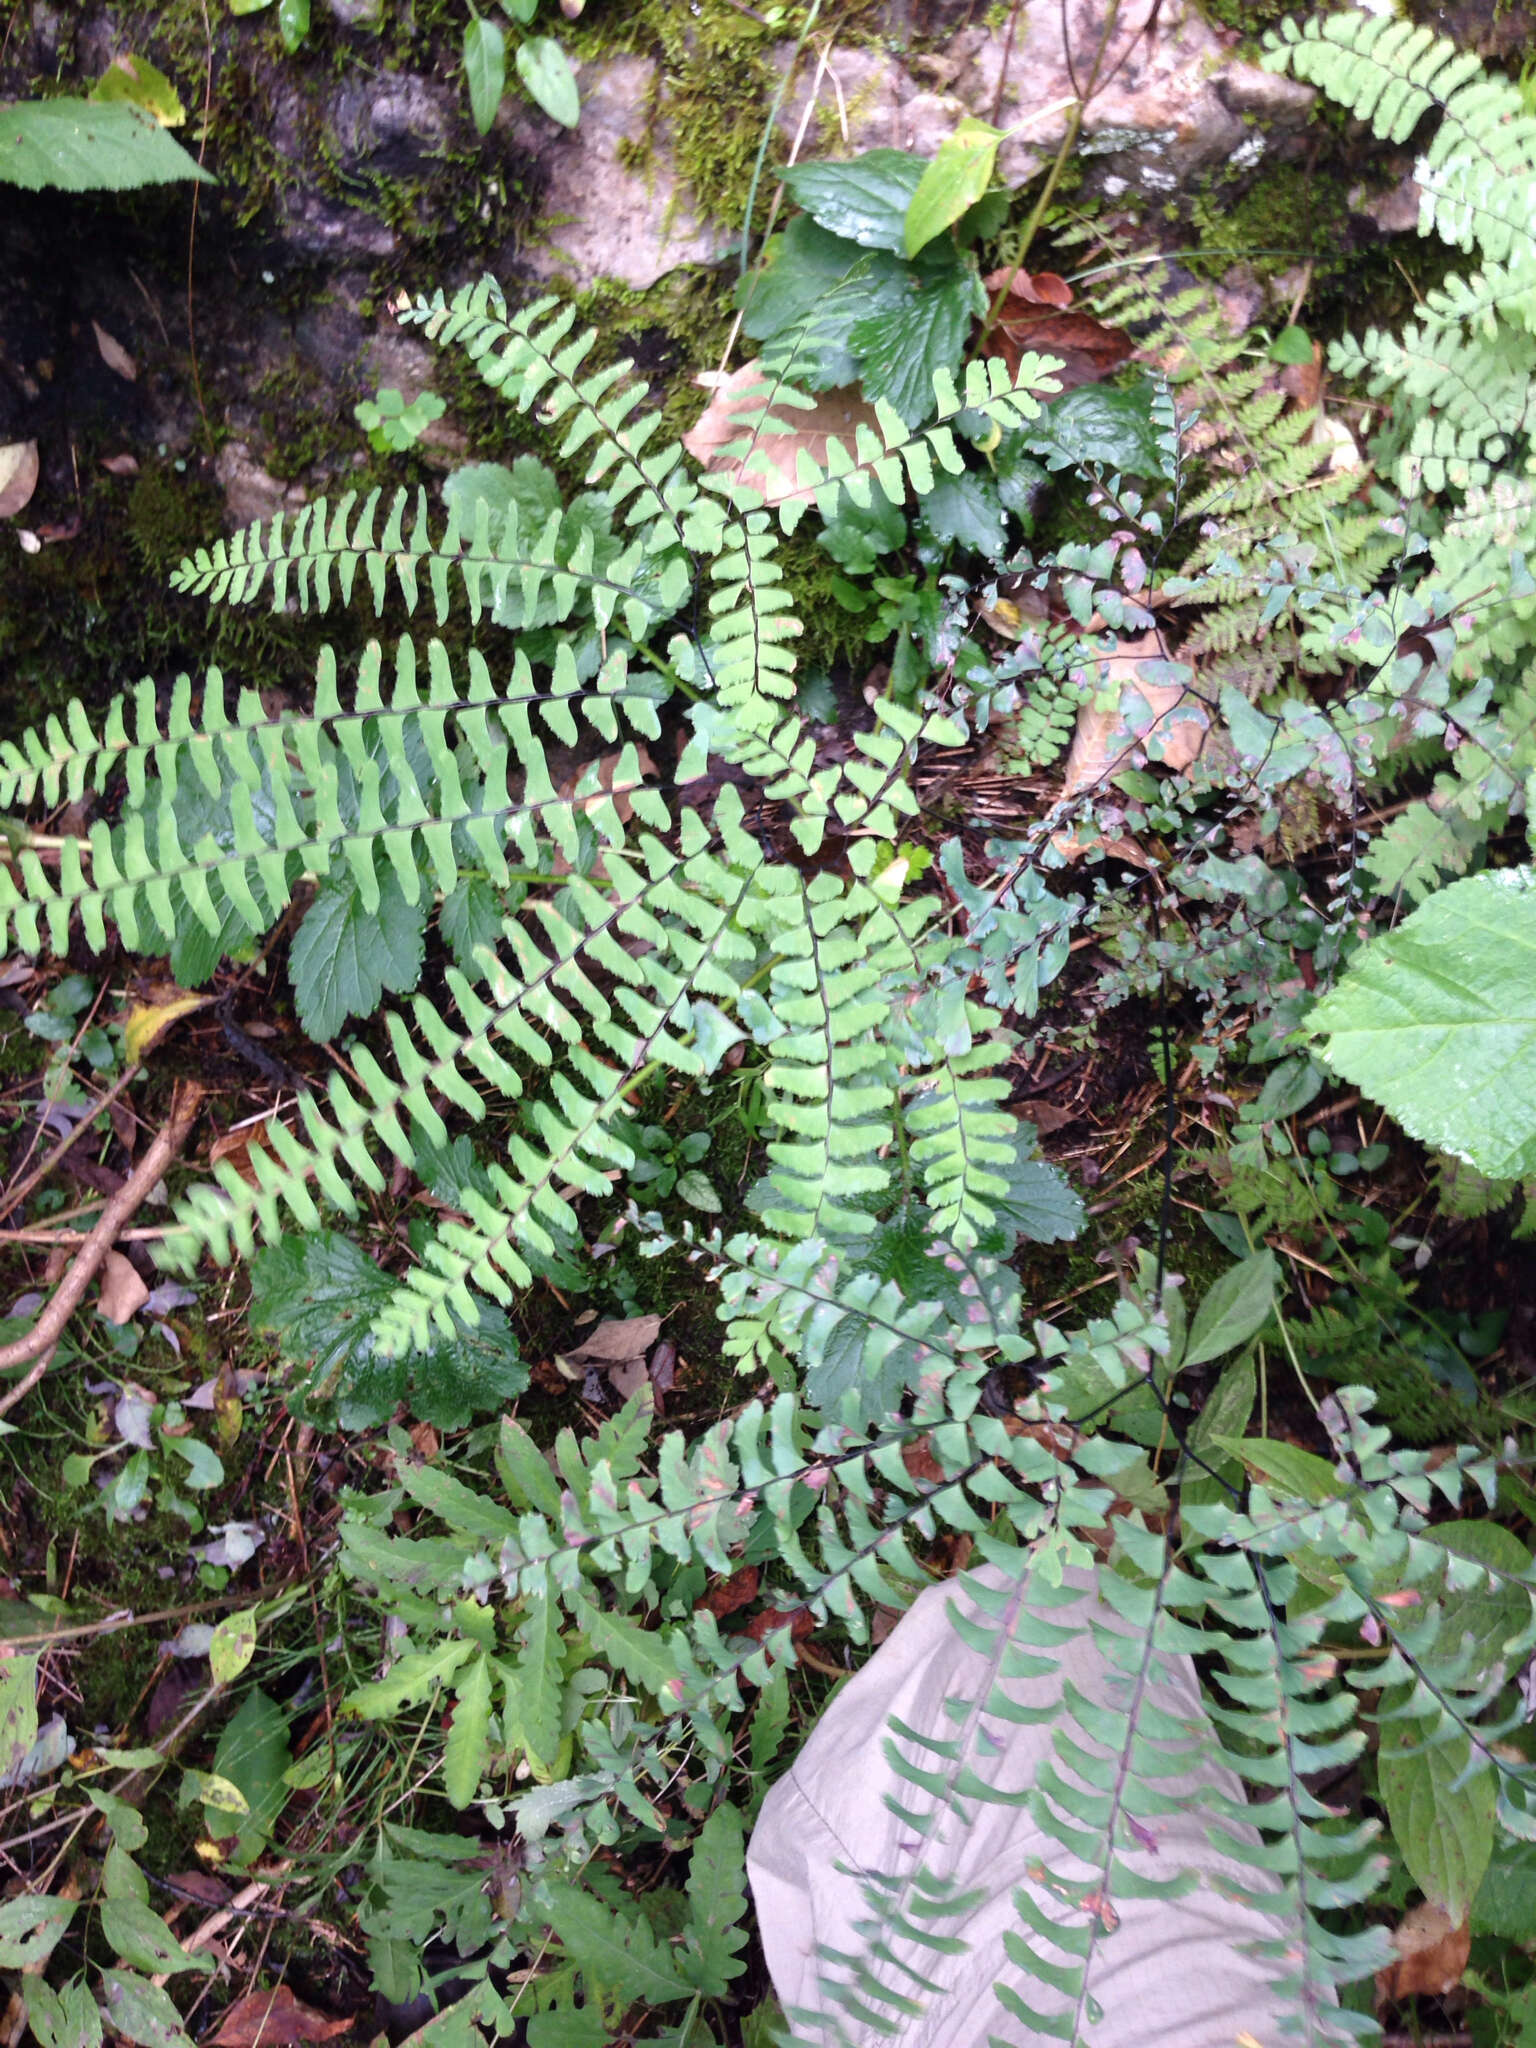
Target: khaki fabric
1172,1974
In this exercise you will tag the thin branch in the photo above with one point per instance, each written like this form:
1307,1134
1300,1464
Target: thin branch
44,1334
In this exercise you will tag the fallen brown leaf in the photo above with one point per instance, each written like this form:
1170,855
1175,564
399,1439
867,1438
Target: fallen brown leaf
18,476
123,1292
120,465
1035,316
1431,1955
114,355
611,1344
236,1146
769,465
1105,740
274,2019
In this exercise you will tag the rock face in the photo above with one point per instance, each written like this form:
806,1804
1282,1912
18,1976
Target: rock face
1171,101
612,202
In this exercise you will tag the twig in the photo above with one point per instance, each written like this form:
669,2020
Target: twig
45,1332
13,1196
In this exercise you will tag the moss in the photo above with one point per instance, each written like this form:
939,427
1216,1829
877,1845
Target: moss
1288,215
1249,18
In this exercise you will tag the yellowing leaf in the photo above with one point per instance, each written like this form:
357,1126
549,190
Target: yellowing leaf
146,1023
136,80
953,182
233,1645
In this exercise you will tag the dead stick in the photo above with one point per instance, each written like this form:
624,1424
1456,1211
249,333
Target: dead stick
46,1331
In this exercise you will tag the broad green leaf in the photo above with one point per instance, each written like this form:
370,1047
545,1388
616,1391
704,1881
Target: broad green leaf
1291,345
233,1645
717,1902
864,200
547,75
468,1745
88,145
66,2018
954,181
18,1714
127,1825
1436,1021
698,1191
1236,1308
121,1877
1224,1416
1506,1899
142,2011
30,1928
485,69
292,22
1445,1835
141,1938
344,955
409,1680
618,1951
253,1754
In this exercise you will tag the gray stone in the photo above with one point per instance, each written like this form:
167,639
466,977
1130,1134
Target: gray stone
604,217
249,491
390,125
357,13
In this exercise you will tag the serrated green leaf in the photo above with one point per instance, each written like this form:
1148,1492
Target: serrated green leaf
344,955
74,145
545,71
470,919
967,511
485,69
1445,1833
1236,1308
30,1929
1109,426
717,1902
409,1681
638,1653
864,200
1297,1474
320,1294
540,1678
1436,1021
468,1746
923,329
618,1952
953,182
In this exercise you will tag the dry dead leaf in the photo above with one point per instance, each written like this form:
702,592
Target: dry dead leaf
1036,316
1105,740
18,476
274,2019
120,465
235,1146
114,355
610,1345
123,1292
729,1596
770,465
1431,1955
1303,382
